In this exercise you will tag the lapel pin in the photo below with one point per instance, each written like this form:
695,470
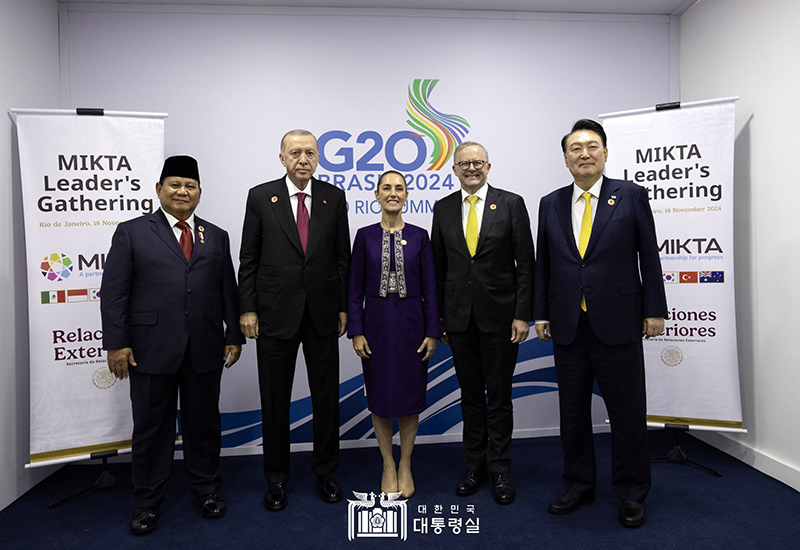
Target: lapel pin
274,199
611,202
493,207
201,228
404,242
324,201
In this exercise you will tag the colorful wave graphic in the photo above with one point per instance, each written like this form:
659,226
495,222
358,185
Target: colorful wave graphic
445,131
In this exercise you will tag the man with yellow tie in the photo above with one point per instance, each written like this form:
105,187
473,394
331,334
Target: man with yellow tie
483,249
598,290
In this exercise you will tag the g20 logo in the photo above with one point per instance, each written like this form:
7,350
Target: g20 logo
346,159
365,161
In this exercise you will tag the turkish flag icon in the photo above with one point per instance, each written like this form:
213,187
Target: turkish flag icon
688,277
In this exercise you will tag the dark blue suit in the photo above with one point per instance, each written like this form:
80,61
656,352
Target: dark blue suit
177,317
620,277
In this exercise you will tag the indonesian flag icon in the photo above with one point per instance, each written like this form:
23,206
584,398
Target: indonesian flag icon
689,276
78,295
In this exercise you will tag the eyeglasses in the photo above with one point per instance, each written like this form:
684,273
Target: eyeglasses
477,164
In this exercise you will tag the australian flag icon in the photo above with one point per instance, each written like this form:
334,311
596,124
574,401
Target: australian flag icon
712,276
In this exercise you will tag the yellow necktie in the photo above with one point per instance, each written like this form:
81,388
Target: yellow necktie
586,232
472,225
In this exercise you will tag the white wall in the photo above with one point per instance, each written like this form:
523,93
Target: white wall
231,95
29,77
746,48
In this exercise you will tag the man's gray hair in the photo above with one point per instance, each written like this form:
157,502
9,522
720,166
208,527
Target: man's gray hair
295,133
469,144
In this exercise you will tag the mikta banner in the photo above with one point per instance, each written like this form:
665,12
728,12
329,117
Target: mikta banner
683,155
81,176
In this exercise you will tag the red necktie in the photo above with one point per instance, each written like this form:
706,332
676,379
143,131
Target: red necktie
186,242
302,220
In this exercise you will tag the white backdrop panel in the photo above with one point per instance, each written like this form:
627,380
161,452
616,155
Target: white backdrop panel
233,84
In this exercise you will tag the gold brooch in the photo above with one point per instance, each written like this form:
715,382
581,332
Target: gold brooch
493,207
274,199
611,202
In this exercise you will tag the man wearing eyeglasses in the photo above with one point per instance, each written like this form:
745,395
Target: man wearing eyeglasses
294,265
483,249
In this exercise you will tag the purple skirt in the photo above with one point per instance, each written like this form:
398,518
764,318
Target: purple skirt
395,377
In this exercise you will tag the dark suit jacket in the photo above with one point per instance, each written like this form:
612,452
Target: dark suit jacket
620,274
275,278
497,283
154,301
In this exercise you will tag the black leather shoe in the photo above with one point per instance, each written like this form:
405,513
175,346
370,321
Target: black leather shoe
502,490
469,482
632,514
329,489
212,505
568,502
145,520
275,497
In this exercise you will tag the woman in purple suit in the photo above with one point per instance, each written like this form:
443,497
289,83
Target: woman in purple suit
394,323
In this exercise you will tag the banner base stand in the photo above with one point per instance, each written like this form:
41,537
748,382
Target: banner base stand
681,454
105,479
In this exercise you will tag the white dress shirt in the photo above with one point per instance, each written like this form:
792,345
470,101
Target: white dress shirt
293,191
578,206
479,205
172,220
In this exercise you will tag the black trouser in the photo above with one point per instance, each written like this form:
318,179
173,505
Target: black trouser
619,370
154,399
276,365
484,364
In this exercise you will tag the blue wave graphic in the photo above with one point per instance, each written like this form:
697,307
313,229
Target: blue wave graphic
444,404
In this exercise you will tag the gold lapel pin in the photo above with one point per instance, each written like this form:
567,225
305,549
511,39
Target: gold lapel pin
274,199
324,201
201,228
611,202
493,207
404,242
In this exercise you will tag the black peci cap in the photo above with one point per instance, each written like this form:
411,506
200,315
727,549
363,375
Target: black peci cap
180,166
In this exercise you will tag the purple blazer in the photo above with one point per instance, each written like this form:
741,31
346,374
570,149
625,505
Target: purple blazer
415,272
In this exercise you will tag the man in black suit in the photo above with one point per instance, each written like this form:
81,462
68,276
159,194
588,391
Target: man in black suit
483,250
599,289
168,287
293,273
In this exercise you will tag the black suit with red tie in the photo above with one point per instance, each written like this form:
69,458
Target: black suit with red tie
298,296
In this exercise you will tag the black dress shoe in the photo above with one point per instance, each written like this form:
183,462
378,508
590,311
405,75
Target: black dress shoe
632,514
502,490
568,502
329,489
212,505
469,482
145,520
275,497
